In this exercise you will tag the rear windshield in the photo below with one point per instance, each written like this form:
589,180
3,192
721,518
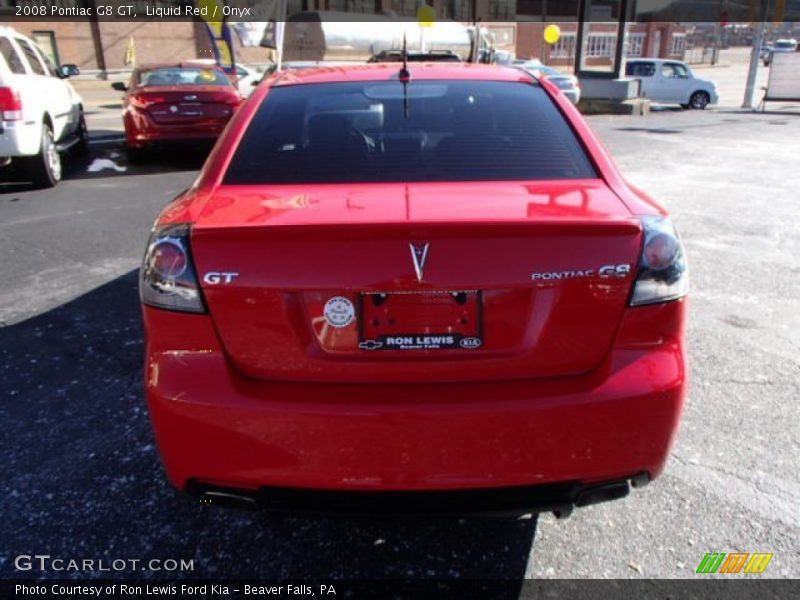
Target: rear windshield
183,76
435,131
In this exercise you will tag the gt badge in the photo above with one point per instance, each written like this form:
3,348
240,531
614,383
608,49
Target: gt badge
215,277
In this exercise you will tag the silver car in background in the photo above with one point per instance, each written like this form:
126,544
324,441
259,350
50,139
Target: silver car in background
567,83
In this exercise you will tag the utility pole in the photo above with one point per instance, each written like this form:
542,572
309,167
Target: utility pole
758,40
97,41
280,32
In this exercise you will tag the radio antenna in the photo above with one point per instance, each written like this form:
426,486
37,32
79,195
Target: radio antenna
405,77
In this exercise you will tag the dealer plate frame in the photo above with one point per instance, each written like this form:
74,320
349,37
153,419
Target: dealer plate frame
461,342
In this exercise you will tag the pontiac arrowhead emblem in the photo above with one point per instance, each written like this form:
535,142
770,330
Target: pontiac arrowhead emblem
419,254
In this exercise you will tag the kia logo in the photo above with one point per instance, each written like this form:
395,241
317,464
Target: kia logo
470,342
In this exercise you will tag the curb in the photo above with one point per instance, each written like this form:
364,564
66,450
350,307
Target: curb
705,66
94,85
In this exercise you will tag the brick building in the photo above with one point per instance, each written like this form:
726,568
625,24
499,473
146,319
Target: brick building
663,40
100,45
74,42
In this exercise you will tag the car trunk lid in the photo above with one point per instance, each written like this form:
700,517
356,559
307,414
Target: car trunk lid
415,282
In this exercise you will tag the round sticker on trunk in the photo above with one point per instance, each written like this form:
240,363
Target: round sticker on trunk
339,311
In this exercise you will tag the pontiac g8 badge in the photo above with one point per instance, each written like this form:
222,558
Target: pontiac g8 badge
605,271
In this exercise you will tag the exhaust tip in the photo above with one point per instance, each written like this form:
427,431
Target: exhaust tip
602,493
229,500
563,512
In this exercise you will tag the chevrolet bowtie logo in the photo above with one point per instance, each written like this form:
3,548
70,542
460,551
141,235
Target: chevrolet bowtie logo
419,254
370,345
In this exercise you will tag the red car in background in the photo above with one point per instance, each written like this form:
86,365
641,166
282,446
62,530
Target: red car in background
180,102
424,290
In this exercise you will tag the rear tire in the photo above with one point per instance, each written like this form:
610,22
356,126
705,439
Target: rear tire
699,100
44,169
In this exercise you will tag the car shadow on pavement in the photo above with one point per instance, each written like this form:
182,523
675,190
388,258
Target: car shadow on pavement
84,480
111,160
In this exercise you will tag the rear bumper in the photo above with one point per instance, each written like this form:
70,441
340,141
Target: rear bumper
559,498
141,131
20,138
218,430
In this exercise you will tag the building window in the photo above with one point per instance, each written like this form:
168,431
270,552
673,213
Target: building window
678,47
503,36
458,10
355,6
635,44
548,8
564,47
45,3
46,40
503,10
601,45
404,8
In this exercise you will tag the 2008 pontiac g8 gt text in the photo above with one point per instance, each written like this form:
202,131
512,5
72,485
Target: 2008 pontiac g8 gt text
426,290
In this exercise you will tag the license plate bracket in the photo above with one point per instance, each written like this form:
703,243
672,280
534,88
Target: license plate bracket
424,320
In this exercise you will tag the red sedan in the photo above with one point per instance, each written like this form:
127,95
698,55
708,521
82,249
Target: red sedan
181,102
413,291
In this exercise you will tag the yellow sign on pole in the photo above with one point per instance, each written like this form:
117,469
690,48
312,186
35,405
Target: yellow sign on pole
130,53
552,33
426,16
212,15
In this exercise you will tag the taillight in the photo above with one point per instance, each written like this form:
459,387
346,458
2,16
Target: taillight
143,101
663,274
167,278
10,104
233,99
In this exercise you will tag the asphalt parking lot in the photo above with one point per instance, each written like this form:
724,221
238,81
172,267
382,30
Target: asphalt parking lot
83,478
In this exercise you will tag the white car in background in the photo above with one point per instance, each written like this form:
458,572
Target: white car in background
41,115
246,79
786,45
671,82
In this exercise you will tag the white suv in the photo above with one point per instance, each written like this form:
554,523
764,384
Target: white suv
41,115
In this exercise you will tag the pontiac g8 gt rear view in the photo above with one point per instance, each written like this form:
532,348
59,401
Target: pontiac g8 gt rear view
413,290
